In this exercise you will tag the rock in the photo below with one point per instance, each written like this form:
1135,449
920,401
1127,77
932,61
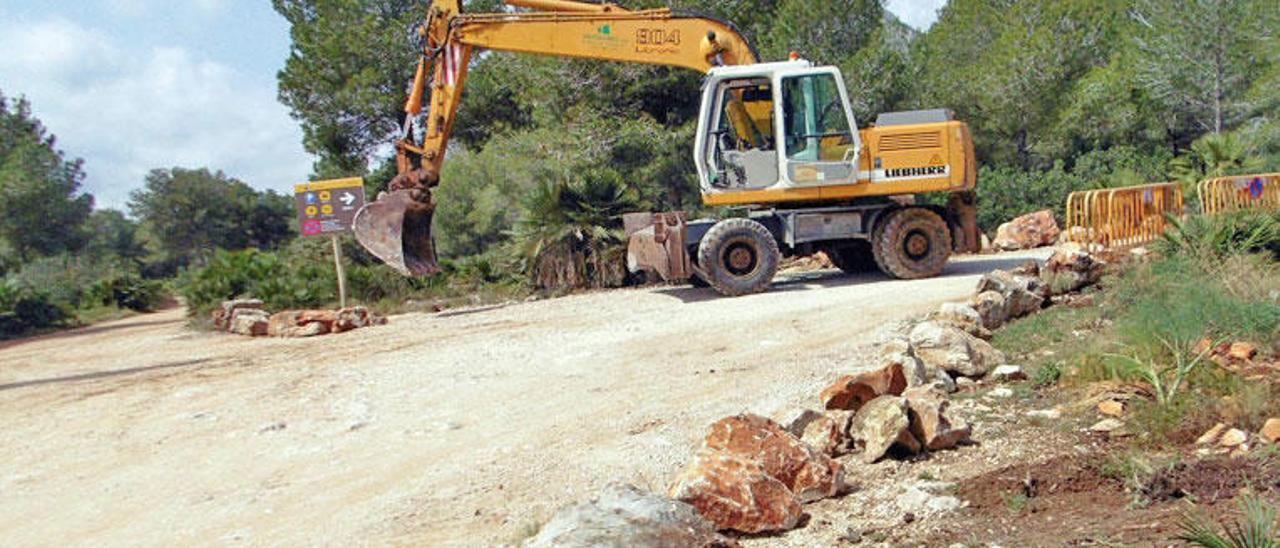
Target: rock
1233,437
1045,414
296,323
964,317
881,424
928,498
1028,231
953,350
1022,294
899,351
826,432
1027,268
992,308
1009,373
1070,269
1000,393
623,515
1212,435
735,492
1242,351
964,383
1111,408
1270,431
249,322
850,392
1107,426
807,472
927,411
223,315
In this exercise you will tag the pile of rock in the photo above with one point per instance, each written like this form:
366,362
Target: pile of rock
249,318
1225,439
1028,232
752,475
877,413
626,516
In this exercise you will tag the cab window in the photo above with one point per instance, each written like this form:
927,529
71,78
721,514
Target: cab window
817,128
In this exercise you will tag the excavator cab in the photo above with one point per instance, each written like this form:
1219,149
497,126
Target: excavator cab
775,125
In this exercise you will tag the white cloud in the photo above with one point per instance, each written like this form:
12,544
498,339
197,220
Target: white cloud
129,111
920,14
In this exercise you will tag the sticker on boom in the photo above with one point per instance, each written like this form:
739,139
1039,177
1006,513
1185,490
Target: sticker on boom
902,172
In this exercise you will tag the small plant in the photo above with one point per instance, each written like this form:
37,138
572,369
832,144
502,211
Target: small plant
1047,375
1256,531
1165,380
1015,502
925,475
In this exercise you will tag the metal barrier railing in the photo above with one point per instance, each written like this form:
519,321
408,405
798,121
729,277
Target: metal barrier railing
1240,192
1122,216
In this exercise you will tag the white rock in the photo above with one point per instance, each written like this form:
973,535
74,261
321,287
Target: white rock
1009,373
1001,393
928,498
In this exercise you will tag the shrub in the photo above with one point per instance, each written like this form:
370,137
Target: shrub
1256,531
127,291
258,274
24,309
1221,235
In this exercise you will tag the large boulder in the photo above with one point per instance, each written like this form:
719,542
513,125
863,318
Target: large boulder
1069,269
735,492
807,472
951,349
222,315
250,322
898,350
1022,294
298,323
1028,231
852,391
827,432
623,515
883,424
992,308
963,316
929,422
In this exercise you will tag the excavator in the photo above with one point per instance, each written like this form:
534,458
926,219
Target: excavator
776,141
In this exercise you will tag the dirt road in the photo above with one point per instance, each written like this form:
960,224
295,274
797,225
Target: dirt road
465,428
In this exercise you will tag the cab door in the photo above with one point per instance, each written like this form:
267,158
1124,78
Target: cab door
818,135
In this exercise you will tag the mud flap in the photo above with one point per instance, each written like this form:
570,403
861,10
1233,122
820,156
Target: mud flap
397,229
656,243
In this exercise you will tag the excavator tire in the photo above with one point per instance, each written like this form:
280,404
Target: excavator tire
911,243
853,256
739,257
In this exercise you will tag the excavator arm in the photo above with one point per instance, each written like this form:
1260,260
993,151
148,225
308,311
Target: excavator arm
397,227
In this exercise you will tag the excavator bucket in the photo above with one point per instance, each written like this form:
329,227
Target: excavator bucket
397,229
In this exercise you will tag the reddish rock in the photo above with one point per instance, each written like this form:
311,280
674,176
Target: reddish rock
1070,269
1111,408
249,322
735,492
1270,431
225,313
298,323
809,474
851,392
1242,351
1028,231
927,410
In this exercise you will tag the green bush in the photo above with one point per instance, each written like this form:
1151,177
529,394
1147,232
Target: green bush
258,274
1230,233
24,309
1005,193
127,291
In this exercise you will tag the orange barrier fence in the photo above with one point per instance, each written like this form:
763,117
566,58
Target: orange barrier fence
1240,192
1122,216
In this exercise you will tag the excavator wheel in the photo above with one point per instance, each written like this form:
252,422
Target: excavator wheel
911,243
739,257
852,256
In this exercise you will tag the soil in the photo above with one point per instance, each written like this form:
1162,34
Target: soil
466,427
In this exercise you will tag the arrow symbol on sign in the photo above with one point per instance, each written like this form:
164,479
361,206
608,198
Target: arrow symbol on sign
347,198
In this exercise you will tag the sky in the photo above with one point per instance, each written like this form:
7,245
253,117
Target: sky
134,85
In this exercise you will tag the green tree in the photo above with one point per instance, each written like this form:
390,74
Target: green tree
189,213
113,235
42,210
1201,57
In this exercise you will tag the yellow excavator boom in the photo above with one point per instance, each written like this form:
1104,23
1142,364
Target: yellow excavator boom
448,39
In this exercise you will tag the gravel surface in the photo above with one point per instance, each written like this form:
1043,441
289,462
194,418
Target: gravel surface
465,427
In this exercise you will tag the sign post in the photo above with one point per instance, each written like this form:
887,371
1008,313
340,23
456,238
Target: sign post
328,208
